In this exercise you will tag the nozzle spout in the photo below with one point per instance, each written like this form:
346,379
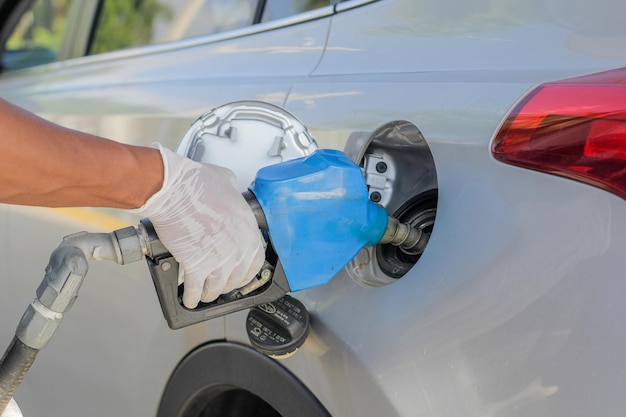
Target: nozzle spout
411,240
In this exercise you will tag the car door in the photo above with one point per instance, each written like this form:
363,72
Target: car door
113,354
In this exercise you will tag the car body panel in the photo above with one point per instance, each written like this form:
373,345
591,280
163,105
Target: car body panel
509,311
514,308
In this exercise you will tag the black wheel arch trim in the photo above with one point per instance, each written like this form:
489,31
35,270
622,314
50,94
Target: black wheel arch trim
216,367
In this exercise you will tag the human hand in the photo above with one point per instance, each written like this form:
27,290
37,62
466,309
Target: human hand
203,220
12,410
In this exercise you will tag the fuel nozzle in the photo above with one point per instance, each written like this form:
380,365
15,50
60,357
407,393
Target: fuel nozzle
411,240
316,214
319,215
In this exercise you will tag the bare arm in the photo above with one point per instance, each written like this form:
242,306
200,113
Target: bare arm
44,164
197,209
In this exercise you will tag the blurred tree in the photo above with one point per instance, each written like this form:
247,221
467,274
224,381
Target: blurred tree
314,4
278,9
127,23
41,26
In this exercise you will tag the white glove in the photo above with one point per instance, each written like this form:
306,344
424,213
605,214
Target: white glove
203,220
12,410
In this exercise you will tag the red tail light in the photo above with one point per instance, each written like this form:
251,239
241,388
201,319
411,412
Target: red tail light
574,128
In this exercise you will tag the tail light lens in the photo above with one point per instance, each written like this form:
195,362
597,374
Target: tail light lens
574,128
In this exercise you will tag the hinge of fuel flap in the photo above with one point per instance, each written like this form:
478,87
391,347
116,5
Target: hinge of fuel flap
376,173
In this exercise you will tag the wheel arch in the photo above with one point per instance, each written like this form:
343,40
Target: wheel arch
234,380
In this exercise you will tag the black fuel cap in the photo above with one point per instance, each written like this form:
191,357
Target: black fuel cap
278,328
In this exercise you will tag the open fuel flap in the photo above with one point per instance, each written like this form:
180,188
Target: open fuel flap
400,175
246,136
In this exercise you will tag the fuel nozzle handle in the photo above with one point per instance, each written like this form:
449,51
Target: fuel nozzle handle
318,216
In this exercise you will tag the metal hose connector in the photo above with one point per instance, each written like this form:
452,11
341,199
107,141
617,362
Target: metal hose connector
56,294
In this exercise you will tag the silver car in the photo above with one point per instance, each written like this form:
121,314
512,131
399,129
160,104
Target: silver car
502,129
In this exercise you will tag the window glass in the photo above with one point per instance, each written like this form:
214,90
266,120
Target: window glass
128,23
38,35
278,9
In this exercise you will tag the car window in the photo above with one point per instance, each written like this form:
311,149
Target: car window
124,24
37,36
278,9
44,31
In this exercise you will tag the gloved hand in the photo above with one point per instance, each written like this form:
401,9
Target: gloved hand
206,224
12,410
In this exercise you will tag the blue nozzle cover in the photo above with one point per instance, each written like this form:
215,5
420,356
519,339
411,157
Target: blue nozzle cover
318,214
